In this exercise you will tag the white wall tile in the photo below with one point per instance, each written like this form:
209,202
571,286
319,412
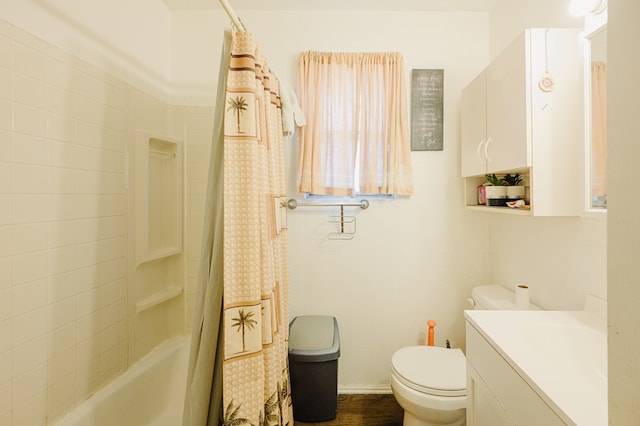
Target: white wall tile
60,207
29,149
112,139
60,101
62,395
29,326
6,52
61,259
62,341
109,271
28,57
30,120
88,302
60,74
88,277
29,237
6,401
6,109
87,230
62,127
30,356
6,335
61,233
6,178
61,154
30,296
6,304
112,227
88,182
5,241
32,412
89,110
30,91
87,133
112,248
6,209
6,280
6,370
29,267
112,292
29,179
5,146
62,181
87,326
62,312
88,350
6,80
87,254
88,205
88,378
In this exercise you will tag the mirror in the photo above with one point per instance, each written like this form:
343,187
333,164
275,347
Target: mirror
596,118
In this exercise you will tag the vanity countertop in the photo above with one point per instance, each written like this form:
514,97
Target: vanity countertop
561,354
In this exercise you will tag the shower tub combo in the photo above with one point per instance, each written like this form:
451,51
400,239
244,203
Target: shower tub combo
150,392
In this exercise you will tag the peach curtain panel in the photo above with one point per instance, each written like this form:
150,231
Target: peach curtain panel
599,128
357,124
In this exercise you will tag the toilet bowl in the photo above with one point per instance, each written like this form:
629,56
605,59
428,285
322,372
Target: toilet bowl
429,383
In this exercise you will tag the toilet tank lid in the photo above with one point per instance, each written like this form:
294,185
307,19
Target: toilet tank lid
493,297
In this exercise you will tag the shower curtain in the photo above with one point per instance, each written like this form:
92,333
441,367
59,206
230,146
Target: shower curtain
238,371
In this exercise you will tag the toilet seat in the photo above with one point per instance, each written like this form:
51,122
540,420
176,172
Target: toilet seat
432,370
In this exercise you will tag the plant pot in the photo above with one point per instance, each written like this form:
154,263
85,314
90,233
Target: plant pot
514,192
496,195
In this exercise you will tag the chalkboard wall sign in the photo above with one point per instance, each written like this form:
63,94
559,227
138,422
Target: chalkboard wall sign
427,101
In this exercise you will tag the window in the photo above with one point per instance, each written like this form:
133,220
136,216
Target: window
356,140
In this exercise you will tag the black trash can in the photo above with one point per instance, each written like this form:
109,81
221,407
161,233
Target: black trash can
314,349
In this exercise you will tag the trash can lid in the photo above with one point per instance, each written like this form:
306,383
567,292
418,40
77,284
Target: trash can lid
314,338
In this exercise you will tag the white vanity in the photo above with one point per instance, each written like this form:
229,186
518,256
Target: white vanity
537,367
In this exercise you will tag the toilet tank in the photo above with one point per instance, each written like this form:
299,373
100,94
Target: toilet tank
494,297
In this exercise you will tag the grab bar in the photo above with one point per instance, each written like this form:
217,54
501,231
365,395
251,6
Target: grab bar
293,203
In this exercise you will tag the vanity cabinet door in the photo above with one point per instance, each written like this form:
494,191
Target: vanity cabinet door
496,393
508,115
473,134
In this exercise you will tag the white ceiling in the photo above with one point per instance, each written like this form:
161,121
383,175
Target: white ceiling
442,5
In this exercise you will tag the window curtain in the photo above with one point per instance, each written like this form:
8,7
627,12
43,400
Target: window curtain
357,126
599,128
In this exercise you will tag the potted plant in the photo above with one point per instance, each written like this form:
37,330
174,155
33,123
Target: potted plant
512,185
495,191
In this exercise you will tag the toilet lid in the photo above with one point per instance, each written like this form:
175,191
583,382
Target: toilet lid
432,369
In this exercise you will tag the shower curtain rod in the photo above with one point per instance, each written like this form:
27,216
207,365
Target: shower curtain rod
232,15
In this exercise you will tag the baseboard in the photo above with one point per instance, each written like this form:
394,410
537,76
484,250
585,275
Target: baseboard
364,389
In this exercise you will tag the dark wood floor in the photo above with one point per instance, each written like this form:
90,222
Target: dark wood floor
364,410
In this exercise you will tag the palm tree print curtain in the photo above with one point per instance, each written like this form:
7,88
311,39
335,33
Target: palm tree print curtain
255,305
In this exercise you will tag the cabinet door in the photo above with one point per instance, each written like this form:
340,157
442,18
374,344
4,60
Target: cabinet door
483,409
473,116
508,124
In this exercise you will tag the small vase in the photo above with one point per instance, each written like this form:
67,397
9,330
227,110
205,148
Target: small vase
515,192
496,195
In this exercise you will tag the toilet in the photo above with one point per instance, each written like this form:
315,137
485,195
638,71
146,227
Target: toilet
430,382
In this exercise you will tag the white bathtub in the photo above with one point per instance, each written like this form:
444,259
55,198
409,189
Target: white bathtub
150,392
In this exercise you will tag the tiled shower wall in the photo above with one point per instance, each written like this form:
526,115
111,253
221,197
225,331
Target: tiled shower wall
63,229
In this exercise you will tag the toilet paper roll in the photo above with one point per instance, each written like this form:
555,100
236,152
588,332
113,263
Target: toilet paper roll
522,297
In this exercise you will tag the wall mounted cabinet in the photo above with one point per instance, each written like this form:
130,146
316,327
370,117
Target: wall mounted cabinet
523,114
